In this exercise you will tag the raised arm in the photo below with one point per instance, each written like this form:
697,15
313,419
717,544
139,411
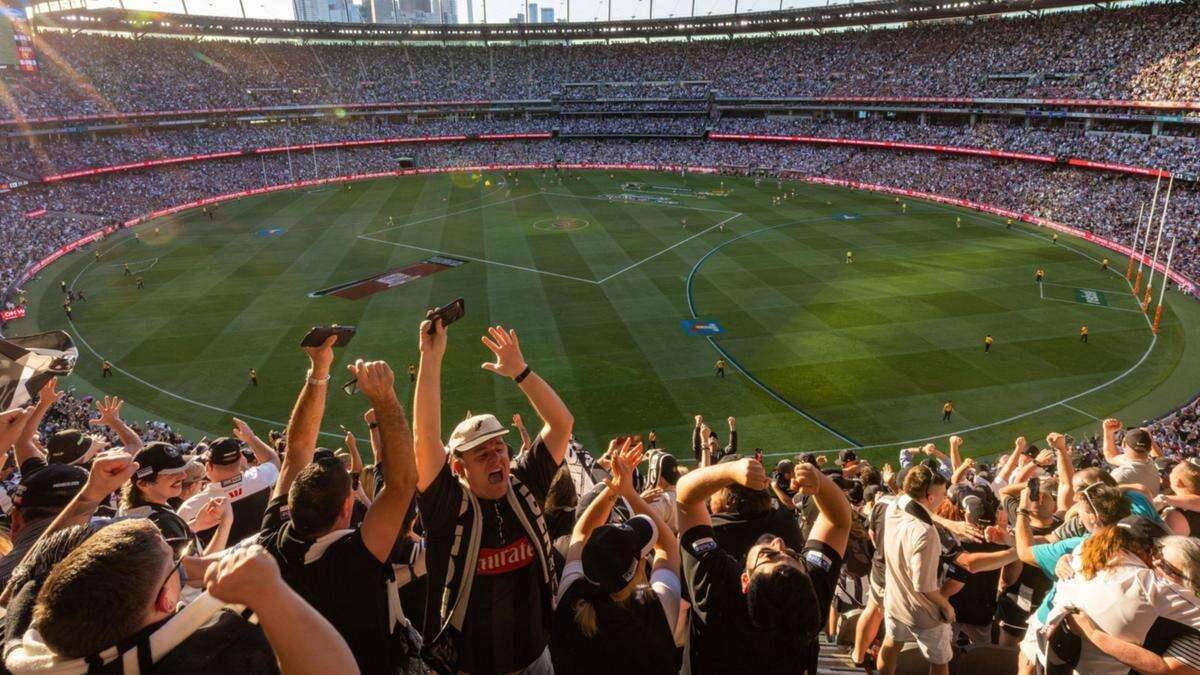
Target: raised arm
1023,532
956,459
1112,453
697,443
666,547
1065,470
598,511
526,441
26,448
833,523
427,404
304,641
264,453
1013,460
110,416
15,425
385,518
698,485
305,422
732,447
961,469
511,363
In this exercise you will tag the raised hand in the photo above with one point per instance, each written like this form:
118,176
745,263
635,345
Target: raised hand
504,345
1057,441
242,576
209,515
806,480
516,420
110,470
1112,425
732,423
748,472
12,423
49,393
375,379
321,356
242,431
956,442
110,412
432,340
624,457
369,416
699,420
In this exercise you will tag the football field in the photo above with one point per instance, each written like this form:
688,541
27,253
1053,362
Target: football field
625,289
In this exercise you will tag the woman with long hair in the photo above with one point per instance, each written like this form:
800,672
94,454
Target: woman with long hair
608,616
1118,588
161,473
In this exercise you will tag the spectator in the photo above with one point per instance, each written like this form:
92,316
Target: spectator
491,571
247,492
341,570
915,608
763,613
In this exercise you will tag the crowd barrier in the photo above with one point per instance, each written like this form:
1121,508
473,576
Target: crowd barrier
543,135
1185,284
870,100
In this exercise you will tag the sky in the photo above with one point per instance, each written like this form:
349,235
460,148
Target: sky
498,11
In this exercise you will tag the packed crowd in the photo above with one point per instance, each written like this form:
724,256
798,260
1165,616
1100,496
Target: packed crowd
1176,153
1144,53
500,549
636,126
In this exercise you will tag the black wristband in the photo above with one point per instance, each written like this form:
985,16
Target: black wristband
522,375
373,425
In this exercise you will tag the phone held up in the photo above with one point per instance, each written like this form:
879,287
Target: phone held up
1035,490
448,313
319,334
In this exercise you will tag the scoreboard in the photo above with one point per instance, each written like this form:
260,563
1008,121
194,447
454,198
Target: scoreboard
16,47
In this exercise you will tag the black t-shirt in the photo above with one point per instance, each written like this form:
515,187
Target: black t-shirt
736,534
347,585
634,636
506,625
723,640
876,522
976,603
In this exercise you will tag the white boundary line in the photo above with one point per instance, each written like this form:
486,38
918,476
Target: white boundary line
180,397
1081,412
1063,402
481,260
678,243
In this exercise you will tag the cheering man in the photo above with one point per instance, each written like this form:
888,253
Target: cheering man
490,565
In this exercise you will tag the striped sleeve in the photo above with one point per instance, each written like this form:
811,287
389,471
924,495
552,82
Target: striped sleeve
1186,650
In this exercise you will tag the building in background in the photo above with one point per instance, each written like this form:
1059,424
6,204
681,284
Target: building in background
340,11
413,11
547,15
533,12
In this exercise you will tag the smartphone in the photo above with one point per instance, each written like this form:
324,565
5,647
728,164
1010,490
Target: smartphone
1031,451
319,334
1035,490
449,313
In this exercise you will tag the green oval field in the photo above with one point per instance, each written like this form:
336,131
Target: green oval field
599,271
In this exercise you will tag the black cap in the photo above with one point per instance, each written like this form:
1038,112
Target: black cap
67,446
158,458
224,451
1143,528
1139,440
51,487
807,458
613,552
847,456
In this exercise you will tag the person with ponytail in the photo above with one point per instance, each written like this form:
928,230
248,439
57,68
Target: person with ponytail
608,616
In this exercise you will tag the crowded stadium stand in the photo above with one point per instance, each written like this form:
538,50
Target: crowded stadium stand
558,553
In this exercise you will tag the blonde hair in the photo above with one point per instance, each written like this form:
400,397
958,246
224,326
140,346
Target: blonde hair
585,613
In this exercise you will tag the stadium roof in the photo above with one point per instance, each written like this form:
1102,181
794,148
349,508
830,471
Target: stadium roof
843,15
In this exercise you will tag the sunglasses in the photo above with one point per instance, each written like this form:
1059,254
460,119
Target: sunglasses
181,547
767,554
1171,570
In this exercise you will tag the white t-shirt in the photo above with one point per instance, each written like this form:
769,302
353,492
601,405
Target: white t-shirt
248,493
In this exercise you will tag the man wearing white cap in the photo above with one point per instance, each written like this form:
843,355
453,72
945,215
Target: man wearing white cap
491,573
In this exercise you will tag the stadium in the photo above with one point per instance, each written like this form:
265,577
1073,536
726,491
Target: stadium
791,249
